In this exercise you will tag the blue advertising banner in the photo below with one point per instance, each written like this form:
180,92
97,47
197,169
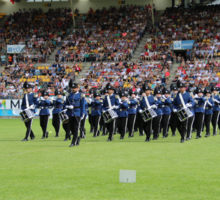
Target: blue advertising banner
183,44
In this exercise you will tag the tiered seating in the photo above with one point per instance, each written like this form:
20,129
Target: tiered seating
106,35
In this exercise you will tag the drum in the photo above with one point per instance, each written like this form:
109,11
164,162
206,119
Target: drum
63,117
148,114
109,115
26,115
184,114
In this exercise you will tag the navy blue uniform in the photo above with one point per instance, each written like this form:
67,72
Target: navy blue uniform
147,126
44,105
77,100
215,117
158,118
132,113
96,115
110,126
57,108
182,126
199,110
123,118
27,101
166,110
208,115
173,118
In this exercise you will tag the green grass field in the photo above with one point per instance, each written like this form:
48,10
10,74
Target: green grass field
49,169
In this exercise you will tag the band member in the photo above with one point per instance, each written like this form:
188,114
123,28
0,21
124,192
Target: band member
158,110
96,104
139,124
190,119
146,102
29,101
117,96
58,106
199,112
184,96
114,105
75,104
83,121
173,118
91,91
104,128
44,104
166,110
132,112
123,114
208,110
216,110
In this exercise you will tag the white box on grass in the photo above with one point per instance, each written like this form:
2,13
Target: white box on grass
127,176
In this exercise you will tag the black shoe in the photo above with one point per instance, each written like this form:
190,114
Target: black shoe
135,130
24,140
83,136
173,135
55,136
182,141
121,138
94,135
65,140
103,134
148,140
164,136
98,134
193,131
47,134
108,140
32,138
141,134
77,144
154,138
214,134
91,131
197,137
72,145
207,135
130,136
43,138
187,139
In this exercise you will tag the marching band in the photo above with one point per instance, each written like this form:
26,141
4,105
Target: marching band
111,111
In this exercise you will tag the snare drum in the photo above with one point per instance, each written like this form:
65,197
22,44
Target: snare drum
109,115
148,114
184,114
26,115
63,117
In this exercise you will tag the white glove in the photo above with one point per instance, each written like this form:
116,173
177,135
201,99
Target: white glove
82,116
215,100
52,99
70,107
140,111
32,107
154,106
209,103
174,110
188,105
164,97
115,107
